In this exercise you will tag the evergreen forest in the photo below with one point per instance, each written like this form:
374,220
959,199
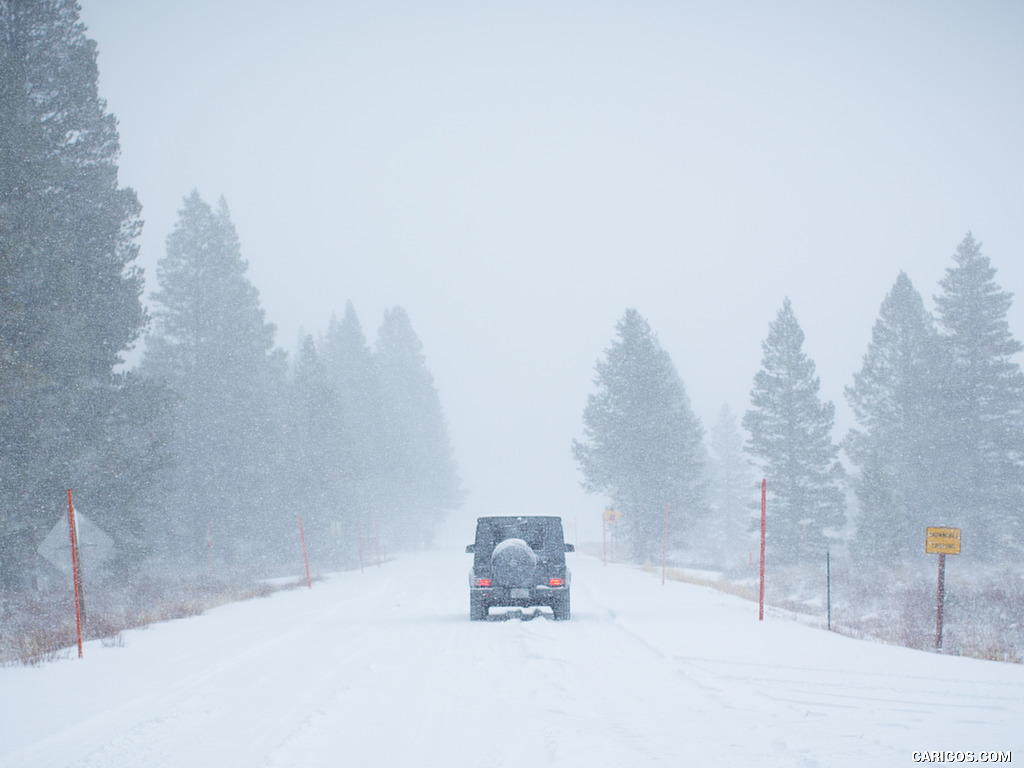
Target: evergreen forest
938,441
200,461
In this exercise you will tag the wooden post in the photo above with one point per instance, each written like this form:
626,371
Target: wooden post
940,599
941,541
828,582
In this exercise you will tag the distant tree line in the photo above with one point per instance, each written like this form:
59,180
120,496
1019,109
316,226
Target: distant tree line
939,407
217,442
352,439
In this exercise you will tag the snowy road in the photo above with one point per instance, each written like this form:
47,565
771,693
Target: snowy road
385,669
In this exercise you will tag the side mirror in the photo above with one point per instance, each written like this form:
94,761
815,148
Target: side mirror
469,549
570,548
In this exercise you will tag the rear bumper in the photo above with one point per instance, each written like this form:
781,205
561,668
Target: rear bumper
518,597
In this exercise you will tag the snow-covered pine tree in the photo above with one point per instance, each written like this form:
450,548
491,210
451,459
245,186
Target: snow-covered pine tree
984,406
421,481
791,441
733,487
895,399
212,347
352,374
69,287
643,446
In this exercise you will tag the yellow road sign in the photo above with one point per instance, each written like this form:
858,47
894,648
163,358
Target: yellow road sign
942,541
612,515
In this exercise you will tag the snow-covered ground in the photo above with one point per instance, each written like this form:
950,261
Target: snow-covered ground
384,668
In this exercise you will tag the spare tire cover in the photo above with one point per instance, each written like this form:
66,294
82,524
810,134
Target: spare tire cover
513,563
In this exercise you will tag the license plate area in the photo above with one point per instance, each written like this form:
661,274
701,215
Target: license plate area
520,594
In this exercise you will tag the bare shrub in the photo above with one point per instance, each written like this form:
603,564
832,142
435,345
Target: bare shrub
113,641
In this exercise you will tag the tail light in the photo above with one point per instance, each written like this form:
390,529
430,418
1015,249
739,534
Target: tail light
481,582
556,582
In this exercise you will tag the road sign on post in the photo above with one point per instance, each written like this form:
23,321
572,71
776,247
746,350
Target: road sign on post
64,546
610,517
941,542
97,547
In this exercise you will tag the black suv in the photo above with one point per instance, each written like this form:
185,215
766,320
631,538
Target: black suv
519,561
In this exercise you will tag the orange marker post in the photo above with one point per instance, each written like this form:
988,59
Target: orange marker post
664,548
74,570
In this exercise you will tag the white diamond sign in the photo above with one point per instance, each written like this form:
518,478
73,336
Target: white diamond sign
94,545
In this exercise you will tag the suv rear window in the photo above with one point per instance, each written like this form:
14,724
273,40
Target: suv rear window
542,534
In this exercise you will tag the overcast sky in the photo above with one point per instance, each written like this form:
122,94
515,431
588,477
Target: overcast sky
516,174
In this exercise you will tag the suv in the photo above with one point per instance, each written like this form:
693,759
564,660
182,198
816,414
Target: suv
519,561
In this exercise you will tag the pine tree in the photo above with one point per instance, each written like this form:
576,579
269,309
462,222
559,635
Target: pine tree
984,400
421,482
357,424
311,483
212,348
732,486
790,438
896,401
643,445
69,288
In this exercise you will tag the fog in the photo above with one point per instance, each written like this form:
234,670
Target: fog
515,175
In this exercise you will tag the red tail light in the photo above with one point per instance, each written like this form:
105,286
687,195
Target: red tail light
482,582
556,582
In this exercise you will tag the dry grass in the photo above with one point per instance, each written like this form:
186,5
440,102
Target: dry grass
738,588
41,645
39,626
983,610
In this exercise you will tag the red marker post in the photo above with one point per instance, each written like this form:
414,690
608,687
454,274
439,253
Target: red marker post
74,570
209,550
664,548
760,599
